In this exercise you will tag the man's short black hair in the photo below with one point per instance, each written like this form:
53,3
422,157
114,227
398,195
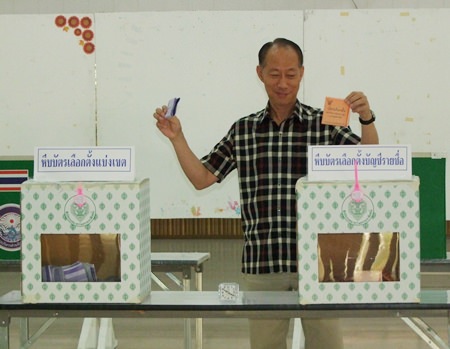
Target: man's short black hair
282,43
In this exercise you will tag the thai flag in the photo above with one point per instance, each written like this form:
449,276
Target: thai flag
10,180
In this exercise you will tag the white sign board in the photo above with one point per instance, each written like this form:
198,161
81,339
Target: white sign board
374,162
84,164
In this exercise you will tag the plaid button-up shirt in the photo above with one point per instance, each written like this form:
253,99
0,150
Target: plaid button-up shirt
269,160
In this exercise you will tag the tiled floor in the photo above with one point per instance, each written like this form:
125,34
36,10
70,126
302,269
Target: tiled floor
224,265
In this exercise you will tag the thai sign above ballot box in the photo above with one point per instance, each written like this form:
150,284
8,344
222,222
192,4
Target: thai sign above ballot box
375,162
84,163
363,249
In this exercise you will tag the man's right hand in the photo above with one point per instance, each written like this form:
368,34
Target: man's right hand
195,171
171,127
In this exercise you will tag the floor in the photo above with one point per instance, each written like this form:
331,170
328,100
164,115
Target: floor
224,265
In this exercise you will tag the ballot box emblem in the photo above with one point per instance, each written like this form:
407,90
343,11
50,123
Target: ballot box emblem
10,227
80,212
357,213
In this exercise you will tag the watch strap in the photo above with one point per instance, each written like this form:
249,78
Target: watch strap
367,122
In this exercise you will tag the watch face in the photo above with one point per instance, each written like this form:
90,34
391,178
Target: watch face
228,291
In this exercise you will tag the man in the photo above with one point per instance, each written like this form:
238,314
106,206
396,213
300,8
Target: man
269,151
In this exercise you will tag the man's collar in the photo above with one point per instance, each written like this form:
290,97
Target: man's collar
296,113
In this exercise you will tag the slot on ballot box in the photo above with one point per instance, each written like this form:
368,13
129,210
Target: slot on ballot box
86,242
365,251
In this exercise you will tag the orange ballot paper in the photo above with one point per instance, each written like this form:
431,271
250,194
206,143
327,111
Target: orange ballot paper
335,112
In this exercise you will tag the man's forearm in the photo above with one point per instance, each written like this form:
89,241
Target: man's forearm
369,134
193,168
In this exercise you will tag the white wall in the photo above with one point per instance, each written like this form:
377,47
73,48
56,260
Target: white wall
144,59
85,6
111,6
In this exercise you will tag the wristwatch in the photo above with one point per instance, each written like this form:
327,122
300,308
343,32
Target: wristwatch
367,122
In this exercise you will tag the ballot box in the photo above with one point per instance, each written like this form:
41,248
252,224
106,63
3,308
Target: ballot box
85,242
358,251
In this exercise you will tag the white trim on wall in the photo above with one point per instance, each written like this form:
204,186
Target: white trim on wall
97,6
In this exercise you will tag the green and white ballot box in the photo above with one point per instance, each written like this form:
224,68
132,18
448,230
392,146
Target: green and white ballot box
86,241
359,248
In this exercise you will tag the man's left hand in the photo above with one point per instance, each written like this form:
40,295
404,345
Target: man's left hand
359,104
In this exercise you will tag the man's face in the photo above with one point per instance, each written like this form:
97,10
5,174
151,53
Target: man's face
281,74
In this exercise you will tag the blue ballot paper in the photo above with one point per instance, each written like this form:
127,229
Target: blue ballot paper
172,108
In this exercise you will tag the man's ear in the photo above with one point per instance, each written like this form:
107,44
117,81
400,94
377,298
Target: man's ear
259,72
302,72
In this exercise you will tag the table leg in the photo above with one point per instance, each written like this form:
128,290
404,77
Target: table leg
24,331
106,336
4,332
199,321
425,332
89,334
298,337
448,328
187,322
27,340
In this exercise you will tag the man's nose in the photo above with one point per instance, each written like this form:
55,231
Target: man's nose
282,82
